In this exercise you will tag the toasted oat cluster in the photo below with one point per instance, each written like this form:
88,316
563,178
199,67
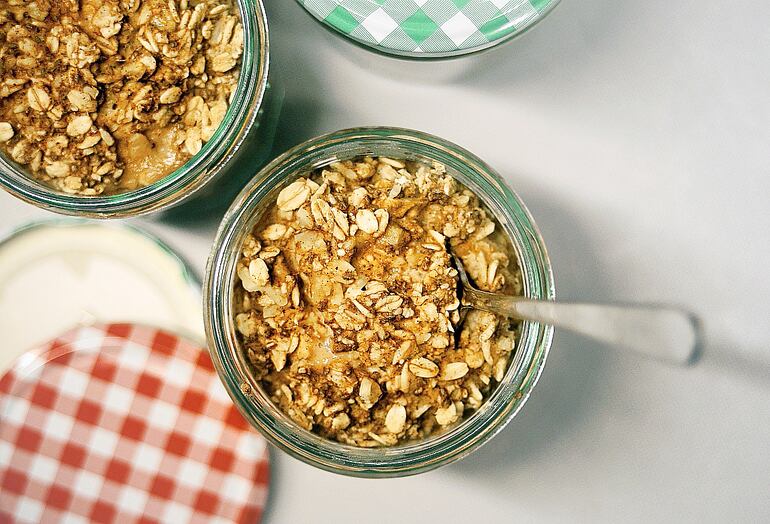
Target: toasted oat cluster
346,301
105,96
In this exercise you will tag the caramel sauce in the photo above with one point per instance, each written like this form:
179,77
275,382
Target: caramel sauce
150,156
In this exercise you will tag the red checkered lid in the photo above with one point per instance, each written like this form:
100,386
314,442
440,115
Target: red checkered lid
125,423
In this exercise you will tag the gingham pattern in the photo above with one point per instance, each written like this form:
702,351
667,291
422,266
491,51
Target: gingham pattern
133,426
426,27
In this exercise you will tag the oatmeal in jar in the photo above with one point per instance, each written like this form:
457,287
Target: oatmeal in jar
346,301
107,96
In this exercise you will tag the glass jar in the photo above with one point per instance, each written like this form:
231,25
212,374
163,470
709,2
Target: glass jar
414,457
249,121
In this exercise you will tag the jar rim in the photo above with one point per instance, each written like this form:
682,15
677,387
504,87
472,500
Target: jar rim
506,399
197,171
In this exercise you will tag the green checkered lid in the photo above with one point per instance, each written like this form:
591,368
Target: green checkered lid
429,28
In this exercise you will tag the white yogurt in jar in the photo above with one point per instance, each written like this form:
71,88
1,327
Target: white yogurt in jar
55,275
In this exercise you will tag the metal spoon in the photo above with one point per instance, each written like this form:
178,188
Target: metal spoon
660,332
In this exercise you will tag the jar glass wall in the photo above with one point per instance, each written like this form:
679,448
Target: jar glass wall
247,110
413,457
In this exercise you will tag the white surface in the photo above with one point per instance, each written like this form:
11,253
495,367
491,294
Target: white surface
639,135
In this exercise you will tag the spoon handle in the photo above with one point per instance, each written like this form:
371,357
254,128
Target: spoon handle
658,332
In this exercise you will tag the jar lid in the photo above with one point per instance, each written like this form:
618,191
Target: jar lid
429,28
60,273
125,423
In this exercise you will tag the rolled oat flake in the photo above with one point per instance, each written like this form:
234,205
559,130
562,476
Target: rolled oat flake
429,28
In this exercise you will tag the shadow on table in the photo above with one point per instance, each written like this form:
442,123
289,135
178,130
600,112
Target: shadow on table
267,514
732,360
573,37
570,37
563,400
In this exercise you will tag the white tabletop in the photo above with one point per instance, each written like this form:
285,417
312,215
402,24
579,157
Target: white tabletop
639,135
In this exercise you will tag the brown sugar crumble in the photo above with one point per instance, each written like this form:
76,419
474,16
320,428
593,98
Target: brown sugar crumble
107,96
346,301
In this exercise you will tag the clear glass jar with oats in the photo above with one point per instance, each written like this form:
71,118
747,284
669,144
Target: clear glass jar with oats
332,308
113,108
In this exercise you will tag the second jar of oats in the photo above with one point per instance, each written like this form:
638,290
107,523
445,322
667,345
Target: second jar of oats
333,311
123,107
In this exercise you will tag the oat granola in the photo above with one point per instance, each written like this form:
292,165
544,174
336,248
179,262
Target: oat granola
105,96
346,301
